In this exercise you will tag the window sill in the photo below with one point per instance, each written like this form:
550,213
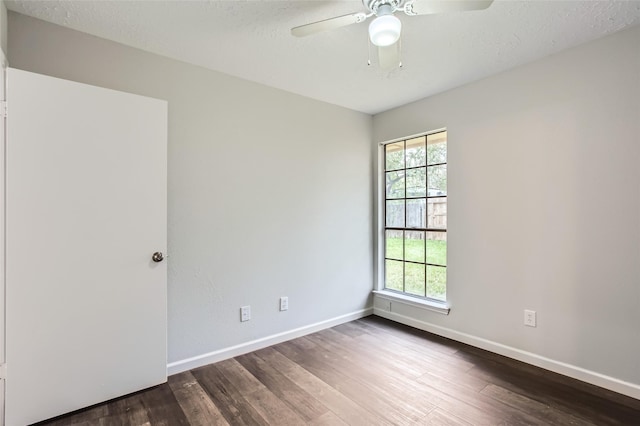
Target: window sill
429,305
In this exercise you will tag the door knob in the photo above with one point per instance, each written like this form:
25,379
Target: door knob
157,257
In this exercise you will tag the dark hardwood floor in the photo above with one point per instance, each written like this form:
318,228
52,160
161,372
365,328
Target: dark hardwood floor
366,372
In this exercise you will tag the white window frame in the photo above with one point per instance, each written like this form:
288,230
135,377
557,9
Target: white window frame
388,297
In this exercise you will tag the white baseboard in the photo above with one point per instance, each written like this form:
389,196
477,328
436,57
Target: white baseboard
601,380
254,345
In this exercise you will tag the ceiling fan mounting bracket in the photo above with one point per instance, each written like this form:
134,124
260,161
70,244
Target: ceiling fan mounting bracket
374,5
408,9
361,17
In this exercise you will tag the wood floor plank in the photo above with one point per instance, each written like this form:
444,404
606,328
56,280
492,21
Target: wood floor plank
411,363
270,407
439,417
387,380
388,363
480,401
549,414
468,412
352,389
392,361
242,379
360,382
345,408
127,411
198,408
273,409
162,407
423,349
349,329
231,403
422,353
410,335
327,419
295,397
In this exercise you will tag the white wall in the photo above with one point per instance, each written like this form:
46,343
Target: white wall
544,209
269,193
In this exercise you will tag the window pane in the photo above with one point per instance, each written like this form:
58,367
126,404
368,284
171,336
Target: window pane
416,213
395,184
436,213
437,248
393,245
395,214
393,274
416,152
437,148
416,201
414,246
417,182
414,279
437,282
394,156
437,177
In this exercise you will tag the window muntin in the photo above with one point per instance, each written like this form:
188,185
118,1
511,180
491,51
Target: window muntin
415,209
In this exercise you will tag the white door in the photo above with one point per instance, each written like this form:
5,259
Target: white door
85,211
3,69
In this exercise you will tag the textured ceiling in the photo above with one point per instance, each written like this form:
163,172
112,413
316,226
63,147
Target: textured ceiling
251,40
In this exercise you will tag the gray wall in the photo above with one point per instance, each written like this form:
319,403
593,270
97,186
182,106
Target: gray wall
544,206
269,193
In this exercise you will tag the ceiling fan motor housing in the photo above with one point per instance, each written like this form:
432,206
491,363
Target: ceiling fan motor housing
381,7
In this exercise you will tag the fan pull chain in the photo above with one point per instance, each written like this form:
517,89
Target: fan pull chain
368,51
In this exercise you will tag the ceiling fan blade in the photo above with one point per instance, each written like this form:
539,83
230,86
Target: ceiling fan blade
328,24
389,56
428,7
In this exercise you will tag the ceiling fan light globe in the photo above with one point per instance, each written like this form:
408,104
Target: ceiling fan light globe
385,30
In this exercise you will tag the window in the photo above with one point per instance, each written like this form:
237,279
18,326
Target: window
415,216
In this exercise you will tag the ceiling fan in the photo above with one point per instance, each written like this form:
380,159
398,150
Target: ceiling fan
384,30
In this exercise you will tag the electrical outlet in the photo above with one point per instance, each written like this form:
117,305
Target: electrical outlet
245,313
284,303
529,318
